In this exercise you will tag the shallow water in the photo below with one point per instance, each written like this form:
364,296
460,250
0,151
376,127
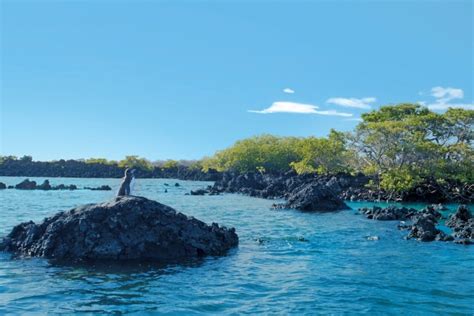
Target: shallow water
287,262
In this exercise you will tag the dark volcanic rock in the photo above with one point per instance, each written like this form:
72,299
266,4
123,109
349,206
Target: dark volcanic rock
209,191
423,222
101,188
314,197
31,185
462,224
26,185
126,228
2,186
199,192
44,186
424,229
461,216
390,213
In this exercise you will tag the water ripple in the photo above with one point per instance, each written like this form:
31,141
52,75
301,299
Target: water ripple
287,262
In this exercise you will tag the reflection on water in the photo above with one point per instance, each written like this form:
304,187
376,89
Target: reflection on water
287,262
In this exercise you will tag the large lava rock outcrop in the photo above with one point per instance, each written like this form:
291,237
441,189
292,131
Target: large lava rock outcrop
126,228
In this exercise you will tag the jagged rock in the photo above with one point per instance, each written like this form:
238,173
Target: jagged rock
44,186
126,228
65,187
462,223
461,216
2,186
424,229
390,213
428,212
314,197
26,185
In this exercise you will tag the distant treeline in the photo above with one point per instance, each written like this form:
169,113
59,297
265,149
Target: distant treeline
102,168
399,146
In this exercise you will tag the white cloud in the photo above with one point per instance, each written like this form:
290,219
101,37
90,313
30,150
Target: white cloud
288,90
333,113
288,107
353,102
445,106
300,108
443,96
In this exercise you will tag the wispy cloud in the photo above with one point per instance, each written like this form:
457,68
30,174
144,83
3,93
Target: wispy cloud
445,106
299,108
443,96
334,113
353,102
288,90
357,119
288,107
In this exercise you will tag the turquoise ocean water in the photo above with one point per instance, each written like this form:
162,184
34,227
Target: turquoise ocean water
287,262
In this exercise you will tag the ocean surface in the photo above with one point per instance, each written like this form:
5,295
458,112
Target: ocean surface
288,262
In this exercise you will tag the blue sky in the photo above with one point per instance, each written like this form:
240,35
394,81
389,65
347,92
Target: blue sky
180,80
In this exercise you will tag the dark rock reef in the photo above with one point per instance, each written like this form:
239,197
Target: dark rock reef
345,186
424,229
390,213
462,224
99,188
2,186
126,228
46,186
304,192
423,226
26,185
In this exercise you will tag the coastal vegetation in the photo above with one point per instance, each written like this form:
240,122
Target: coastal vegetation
398,146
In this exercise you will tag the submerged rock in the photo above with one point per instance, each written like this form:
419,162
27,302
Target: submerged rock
126,228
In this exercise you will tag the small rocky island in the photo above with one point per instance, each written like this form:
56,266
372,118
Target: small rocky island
126,228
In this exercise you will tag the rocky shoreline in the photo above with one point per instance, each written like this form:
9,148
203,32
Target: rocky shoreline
344,186
124,229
